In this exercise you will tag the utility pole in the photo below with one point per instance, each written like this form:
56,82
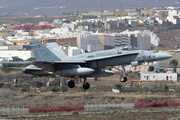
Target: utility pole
102,10
121,8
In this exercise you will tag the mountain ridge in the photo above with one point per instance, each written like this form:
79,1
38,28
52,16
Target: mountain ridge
82,5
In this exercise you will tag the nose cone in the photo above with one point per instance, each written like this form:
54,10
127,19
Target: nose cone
24,70
162,56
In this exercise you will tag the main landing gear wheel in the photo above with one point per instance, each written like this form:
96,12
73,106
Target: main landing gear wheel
86,85
71,84
123,79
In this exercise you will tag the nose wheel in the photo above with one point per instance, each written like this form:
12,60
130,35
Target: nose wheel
123,79
86,85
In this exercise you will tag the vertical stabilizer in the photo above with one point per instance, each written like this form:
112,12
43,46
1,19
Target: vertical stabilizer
54,48
41,52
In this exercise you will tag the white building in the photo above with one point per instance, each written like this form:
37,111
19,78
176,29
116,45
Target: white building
1,42
19,38
172,16
61,31
71,26
5,42
89,42
144,38
21,54
143,41
74,51
71,51
122,39
159,76
133,13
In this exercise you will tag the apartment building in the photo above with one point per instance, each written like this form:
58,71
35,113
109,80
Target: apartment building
146,12
122,39
108,41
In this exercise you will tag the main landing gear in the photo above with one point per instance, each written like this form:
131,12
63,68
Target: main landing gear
123,77
86,85
71,84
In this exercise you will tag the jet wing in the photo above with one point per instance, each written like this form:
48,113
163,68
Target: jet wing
60,62
56,65
112,56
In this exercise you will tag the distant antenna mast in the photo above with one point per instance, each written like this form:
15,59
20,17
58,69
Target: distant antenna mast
155,3
102,10
140,4
121,9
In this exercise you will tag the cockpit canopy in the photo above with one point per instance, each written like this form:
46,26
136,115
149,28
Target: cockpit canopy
127,48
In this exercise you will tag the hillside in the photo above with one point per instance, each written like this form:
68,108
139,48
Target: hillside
80,5
169,39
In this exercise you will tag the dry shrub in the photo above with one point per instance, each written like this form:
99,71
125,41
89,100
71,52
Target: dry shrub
37,98
58,98
18,98
128,100
5,93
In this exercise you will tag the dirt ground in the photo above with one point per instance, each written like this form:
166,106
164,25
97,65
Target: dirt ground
137,114
99,93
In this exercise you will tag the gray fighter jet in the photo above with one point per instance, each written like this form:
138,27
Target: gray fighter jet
54,61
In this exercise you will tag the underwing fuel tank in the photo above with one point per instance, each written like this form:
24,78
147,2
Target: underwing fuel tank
37,72
74,71
103,73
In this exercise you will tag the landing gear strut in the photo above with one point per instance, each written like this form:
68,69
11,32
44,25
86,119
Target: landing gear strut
123,78
86,85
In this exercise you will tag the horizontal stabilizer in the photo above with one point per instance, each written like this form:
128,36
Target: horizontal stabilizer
15,68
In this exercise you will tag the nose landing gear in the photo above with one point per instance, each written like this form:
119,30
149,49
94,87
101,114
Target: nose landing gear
86,85
123,77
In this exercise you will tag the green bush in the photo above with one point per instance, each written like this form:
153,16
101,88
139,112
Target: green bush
8,85
137,73
75,113
119,87
166,88
25,87
5,68
55,89
177,91
81,89
151,68
63,89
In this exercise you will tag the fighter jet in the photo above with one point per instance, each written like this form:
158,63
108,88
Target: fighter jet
90,64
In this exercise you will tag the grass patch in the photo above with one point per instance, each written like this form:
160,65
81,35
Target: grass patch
75,113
